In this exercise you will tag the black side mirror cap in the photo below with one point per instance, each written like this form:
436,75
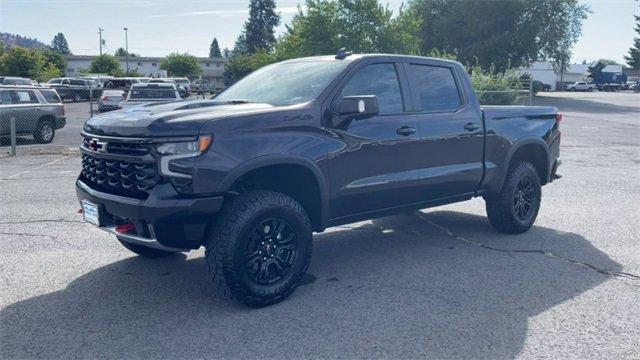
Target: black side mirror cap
356,107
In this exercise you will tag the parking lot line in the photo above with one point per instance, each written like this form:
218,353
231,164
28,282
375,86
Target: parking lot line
35,168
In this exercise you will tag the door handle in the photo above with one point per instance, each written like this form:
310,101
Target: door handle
405,130
471,127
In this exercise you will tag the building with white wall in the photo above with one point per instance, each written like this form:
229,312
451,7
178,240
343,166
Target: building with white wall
212,68
543,71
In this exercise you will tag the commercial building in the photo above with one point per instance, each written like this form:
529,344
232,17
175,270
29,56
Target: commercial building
544,72
212,68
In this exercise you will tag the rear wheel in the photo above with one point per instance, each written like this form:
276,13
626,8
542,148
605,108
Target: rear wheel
44,132
515,208
145,251
260,247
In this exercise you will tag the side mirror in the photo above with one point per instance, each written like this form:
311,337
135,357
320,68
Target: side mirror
358,106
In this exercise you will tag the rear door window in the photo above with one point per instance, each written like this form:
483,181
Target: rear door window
51,96
434,88
24,97
380,80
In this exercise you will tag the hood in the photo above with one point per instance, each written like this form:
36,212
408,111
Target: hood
167,119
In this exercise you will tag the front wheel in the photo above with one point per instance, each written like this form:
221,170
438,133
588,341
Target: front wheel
260,247
515,208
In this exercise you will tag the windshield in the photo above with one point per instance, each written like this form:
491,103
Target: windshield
152,94
55,81
284,83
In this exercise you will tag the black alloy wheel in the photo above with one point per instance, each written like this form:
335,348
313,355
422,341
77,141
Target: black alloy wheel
271,251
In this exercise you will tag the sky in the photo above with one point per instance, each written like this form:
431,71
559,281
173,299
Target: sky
158,27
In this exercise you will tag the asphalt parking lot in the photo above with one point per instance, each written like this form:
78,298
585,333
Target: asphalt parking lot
438,284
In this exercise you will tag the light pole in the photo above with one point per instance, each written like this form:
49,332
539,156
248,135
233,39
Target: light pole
126,45
100,30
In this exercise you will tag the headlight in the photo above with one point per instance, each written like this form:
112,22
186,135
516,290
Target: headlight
187,148
181,150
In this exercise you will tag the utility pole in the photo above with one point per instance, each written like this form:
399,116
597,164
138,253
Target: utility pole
126,45
100,30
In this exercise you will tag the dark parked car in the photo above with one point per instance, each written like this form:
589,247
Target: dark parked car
37,111
306,144
75,89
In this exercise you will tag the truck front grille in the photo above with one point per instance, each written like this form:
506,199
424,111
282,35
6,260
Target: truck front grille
119,177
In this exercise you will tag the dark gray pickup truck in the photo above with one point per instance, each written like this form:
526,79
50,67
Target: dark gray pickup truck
303,145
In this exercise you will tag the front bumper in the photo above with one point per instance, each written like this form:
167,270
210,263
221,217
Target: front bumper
173,221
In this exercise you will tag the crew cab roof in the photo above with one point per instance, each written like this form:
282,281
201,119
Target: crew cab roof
356,57
154,85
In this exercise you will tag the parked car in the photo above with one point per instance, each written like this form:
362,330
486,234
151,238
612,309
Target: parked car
110,100
184,86
13,80
306,144
580,86
121,83
37,111
145,93
75,89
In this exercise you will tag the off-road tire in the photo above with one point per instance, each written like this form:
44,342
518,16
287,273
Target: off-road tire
145,251
39,135
501,208
226,249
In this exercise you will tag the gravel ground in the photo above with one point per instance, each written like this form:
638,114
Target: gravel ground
440,283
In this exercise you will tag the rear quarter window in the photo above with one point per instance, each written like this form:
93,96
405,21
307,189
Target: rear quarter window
434,87
51,96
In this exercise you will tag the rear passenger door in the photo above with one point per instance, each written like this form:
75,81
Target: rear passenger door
27,110
371,161
451,130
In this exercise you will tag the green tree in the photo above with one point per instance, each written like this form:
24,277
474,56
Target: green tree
242,64
633,59
358,25
177,64
501,33
259,31
105,64
608,61
214,49
23,62
59,44
55,59
49,72
122,52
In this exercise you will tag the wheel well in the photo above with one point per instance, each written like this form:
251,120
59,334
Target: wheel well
293,180
534,154
48,118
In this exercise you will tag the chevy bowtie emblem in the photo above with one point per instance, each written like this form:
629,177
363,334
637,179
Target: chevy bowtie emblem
97,146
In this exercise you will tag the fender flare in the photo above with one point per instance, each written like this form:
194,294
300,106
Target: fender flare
282,159
515,147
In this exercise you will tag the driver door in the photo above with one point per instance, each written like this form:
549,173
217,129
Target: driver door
372,161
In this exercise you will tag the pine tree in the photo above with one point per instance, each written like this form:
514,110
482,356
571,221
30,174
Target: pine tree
59,44
258,33
633,59
214,49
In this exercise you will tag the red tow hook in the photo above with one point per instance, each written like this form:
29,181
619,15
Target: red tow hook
125,228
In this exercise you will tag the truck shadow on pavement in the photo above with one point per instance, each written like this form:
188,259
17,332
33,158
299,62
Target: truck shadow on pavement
439,285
